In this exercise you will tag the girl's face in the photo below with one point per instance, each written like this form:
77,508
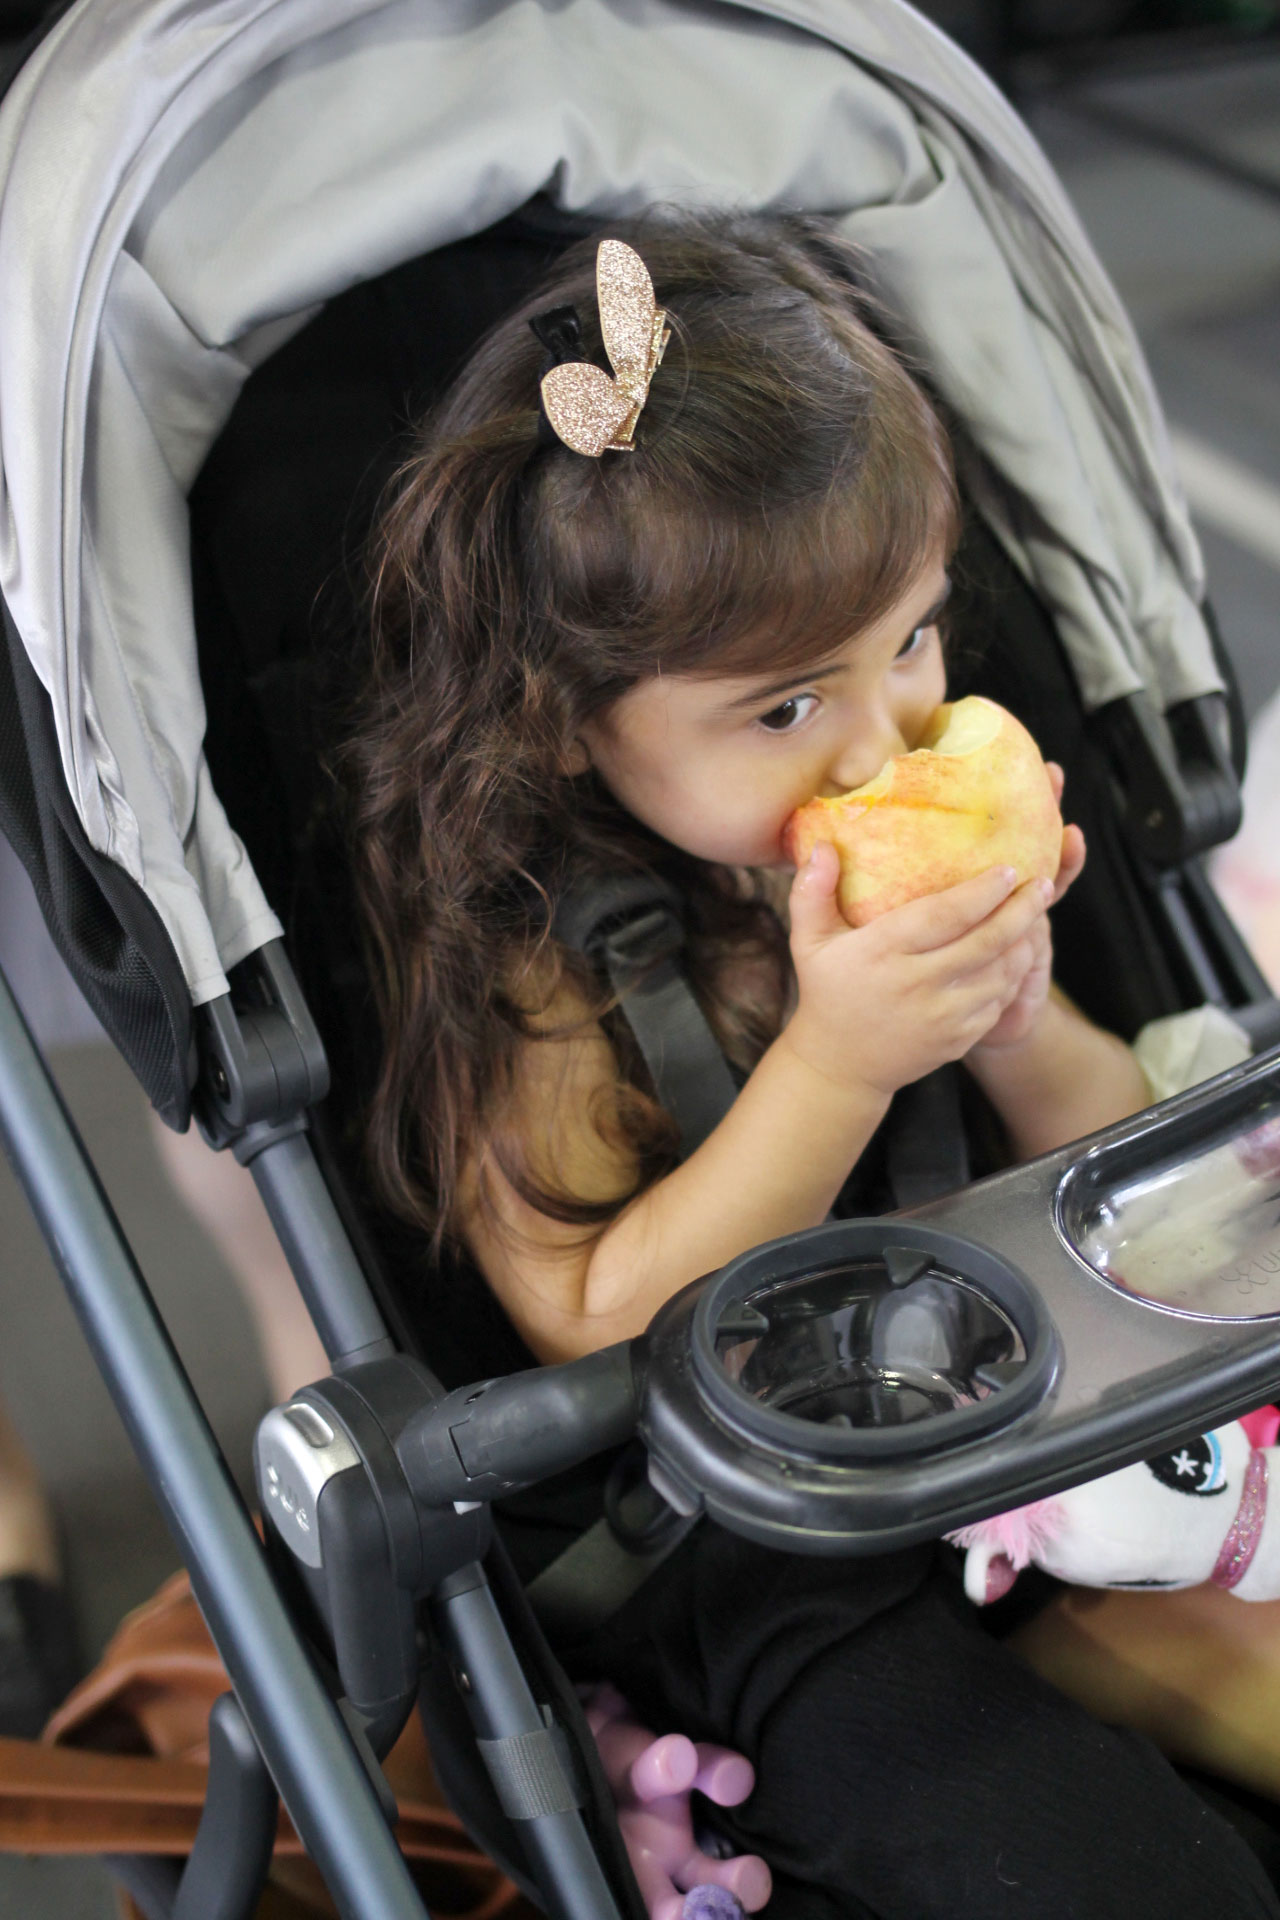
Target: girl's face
717,766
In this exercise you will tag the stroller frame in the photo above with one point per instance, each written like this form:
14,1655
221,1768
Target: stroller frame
261,1067
295,1723
329,1780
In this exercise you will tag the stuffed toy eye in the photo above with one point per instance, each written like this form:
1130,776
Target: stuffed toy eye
1195,1467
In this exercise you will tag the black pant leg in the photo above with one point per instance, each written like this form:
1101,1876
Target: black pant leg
917,1764
908,1766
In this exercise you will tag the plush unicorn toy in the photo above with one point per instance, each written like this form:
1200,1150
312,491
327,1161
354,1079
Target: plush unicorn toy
1199,1513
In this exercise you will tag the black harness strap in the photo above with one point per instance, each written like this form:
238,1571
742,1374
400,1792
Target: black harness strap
634,930
592,1579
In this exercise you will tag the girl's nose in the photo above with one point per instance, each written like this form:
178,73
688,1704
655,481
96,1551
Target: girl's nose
861,758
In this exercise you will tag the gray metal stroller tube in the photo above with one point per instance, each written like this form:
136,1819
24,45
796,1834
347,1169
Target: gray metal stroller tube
321,1779
316,1245
263,1067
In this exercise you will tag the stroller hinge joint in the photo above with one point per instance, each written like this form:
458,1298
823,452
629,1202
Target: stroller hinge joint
261,1059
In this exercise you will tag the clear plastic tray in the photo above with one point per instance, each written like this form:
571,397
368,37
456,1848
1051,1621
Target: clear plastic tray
1197,1232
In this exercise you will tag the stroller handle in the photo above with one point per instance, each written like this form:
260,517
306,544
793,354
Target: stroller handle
486,1441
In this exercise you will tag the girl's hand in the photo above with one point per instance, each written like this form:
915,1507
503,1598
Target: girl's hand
882,1005
1021,1015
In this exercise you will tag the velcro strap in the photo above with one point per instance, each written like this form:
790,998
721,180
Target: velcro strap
532,1773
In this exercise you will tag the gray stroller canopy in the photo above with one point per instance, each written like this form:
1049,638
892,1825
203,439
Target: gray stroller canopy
182,186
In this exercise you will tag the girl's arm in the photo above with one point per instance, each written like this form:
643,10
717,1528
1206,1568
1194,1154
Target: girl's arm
1064,1079
773,1166
878,1006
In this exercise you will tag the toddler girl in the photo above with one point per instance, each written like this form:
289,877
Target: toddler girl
638,653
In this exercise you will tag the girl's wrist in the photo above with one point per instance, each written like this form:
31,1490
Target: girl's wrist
1064,1079
1032,1059
1011,1051
809,1048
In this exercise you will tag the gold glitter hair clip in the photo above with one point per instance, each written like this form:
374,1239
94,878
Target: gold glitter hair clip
587,410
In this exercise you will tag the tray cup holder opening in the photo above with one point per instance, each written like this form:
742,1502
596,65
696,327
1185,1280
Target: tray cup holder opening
902,1341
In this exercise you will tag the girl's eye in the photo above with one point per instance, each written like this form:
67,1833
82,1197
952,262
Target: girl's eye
914,644
784,718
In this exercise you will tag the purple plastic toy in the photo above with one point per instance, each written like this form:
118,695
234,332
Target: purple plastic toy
652,1778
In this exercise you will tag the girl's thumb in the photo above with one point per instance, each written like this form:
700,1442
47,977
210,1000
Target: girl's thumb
815,913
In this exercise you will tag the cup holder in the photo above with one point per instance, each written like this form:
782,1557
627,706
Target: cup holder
901,1340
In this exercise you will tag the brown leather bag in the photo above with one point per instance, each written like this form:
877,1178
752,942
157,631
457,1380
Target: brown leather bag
122,1764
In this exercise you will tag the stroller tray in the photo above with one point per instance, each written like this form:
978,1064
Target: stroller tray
872,1383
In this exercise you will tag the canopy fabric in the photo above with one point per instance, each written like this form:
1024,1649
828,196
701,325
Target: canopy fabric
181,186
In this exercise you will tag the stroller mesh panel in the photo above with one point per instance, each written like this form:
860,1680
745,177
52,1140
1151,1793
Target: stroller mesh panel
106,929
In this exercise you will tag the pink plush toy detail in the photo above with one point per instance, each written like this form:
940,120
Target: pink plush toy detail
652,1779
1198,1513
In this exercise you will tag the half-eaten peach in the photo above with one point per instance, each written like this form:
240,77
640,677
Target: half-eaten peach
974,794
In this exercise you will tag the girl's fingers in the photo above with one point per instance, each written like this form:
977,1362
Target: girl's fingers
941,918
815,911
1002,975
1057,779
1023,913
983,937
979,918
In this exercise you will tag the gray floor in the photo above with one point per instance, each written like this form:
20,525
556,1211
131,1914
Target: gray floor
1196,258
1198,261
116,1546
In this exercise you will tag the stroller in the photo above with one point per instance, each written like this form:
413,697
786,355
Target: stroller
279,228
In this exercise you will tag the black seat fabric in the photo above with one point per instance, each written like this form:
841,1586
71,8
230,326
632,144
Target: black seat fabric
279,514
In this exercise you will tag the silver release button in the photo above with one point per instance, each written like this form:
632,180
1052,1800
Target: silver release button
296,1451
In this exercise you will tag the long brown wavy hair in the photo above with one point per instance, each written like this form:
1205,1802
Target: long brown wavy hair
788,480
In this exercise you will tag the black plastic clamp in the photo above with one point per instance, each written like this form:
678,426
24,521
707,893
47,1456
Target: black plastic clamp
261,1057
1176,785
